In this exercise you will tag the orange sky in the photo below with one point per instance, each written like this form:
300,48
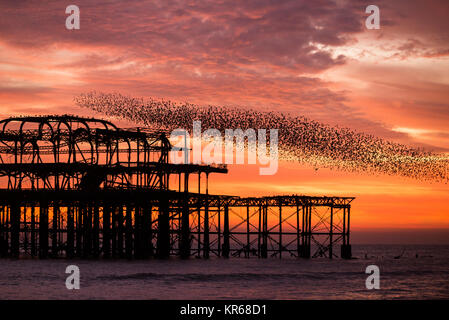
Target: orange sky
311,58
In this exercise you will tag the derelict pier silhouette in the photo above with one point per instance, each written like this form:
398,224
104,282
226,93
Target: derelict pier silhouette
76,187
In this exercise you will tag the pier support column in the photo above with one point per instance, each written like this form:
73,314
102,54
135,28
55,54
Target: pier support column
219,231
128,233
33,232
87,231
15,229
106,245
114,231
70,233
25,230
346,250
79,231
306,231
280,231
138,232
96,231
54,231
248,243
198,235
184,246
206,239
259,234
264,245
226,245
298,233
331,233
309,233
147,231
163,238
43,230
206,246
3,231
120,231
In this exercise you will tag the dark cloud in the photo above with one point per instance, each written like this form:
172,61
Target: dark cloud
259,53
274,33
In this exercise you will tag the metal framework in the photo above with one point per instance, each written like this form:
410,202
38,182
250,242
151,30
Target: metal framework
81,187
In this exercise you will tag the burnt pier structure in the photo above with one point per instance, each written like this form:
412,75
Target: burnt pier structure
76,187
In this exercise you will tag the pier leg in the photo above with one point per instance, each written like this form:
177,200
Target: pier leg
114,231
226,246
346,250
280,231
309,232
120,231
3,242
87,231
33,231
298,234
79,231
138,233
128,235
15,229
264,247
184,246
147,236
106,232
54,231
206,230
7,229
163,239
259,234
25,230
206,221
303,237
247,249
219,231
96,231
199,219
306,219
348,227
70,233
43,230
148,228
199,231
331,230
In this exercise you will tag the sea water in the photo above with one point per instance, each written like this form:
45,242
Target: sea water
406,272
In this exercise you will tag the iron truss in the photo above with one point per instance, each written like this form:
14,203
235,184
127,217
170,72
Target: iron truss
81,187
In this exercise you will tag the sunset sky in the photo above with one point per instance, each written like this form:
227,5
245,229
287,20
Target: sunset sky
311,58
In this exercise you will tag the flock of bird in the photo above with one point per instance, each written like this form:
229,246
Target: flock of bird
300,139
